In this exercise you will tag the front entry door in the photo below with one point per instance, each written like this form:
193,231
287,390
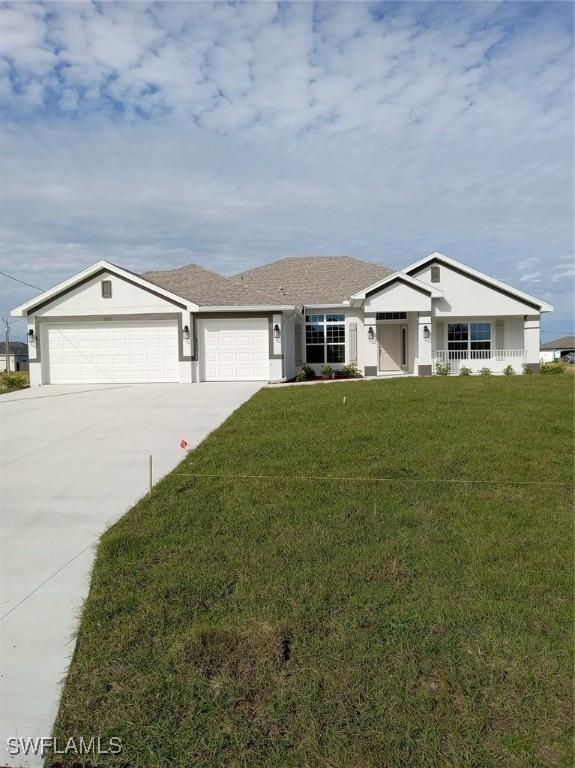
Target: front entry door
390,353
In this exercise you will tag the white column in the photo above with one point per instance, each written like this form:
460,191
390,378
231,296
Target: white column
276,367
34,354
424,355
187,348
370,346
531,342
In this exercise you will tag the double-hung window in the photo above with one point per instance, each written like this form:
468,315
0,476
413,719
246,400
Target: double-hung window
325,338
469,341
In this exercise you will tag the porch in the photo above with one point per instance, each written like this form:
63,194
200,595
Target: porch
494,359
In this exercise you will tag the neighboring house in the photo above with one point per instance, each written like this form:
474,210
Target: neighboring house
107,324
18,356
556,349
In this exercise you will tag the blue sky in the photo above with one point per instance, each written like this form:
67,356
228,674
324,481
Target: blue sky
156,134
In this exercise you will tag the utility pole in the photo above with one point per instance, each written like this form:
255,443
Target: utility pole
7,344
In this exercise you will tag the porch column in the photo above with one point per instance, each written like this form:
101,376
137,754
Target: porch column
369,346
276,348
424,355
531,342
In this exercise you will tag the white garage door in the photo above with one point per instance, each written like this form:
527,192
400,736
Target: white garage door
112,351
235,349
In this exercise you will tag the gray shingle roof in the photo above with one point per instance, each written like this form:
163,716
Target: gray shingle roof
16,348
204,287
295,280
563,342
314,279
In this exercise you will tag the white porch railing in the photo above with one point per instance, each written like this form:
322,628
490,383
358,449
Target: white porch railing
494,359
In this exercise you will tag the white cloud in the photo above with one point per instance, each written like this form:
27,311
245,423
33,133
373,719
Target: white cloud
154,134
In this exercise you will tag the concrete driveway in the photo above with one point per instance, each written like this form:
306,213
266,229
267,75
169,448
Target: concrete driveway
73,460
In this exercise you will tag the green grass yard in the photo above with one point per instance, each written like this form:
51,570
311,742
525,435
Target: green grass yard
268,621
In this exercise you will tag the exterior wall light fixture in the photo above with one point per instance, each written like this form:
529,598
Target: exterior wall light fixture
186,332
31,334
426,332
276,331
370,333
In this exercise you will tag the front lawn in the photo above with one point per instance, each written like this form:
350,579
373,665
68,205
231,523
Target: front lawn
295,617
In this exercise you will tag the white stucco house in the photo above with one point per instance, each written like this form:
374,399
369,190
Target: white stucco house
557,348
17,357
107,324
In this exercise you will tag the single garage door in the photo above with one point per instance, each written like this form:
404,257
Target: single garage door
235,349
112,351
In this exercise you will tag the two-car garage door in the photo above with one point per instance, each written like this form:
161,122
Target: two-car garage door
102,352
111,351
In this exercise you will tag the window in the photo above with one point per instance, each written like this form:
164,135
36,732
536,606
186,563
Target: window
391,316
325,338
435,274
106,289
469,341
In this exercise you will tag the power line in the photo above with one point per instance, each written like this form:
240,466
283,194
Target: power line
17,280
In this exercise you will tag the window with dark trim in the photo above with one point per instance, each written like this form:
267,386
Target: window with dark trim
435,274
469,341
106,289
325,338
391,316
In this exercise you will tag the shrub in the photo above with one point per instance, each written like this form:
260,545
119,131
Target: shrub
327,371
465,371
509,370
485,372
305,373
526,369
552,368
442,369
13,380
350,371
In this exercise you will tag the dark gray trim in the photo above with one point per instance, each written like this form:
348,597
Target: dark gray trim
75,319
533,367
97,274
479,280
399,279
370,370
194,332
424,370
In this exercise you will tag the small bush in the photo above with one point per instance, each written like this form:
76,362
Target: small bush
465,371
526,370
509,370
552,368
327,371
13,380
442,369
485,372
305,373
349,371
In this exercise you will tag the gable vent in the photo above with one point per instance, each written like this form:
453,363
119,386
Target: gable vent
106,289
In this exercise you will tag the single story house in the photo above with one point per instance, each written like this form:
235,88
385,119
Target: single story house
18,356
557,348
107,324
